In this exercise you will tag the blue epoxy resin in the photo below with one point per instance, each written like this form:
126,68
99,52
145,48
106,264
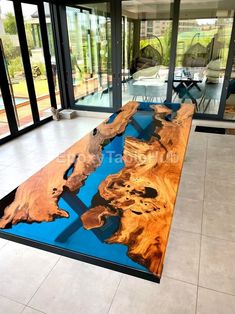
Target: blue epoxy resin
68,233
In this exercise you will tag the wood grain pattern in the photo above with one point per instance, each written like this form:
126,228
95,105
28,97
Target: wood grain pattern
36,199
143,193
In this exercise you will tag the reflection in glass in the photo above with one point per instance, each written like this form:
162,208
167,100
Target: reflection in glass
202,51
34,41
147,36
52,52
89,30
229,112
12,52
4,127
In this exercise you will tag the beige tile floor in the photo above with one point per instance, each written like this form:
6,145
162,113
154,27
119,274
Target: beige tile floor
199,271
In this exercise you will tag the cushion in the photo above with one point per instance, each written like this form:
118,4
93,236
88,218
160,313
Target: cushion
213,73
214,80
214,65
150,72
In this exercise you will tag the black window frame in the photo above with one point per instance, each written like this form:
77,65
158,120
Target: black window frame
15,131
61,44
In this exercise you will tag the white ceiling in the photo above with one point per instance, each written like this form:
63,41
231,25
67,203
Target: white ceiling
149,7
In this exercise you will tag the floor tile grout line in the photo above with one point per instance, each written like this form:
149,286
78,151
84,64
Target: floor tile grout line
10,299
216,238
199,262
218,291
28,306
120,281
225,202
115,293
180,280
179,229
200,248
4,245
44,279
188,198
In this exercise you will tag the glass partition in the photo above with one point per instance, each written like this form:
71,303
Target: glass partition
4,127
53,53
14,65
89,31
147,29
229,113
34,40
202,50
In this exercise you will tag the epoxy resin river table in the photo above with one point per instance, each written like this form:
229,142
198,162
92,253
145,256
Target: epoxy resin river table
109,198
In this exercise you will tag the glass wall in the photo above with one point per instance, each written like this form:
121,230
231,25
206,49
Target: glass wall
34,41
12,47
53,54
229,112
4,127
89,31
147,34
202,50
14,65
127,43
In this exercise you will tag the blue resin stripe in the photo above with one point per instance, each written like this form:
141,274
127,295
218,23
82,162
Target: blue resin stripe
68,233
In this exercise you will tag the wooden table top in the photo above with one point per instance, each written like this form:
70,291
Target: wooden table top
119,183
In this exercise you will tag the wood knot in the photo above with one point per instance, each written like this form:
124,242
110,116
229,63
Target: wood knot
94,132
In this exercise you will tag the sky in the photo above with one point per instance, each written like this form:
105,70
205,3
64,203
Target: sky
7,6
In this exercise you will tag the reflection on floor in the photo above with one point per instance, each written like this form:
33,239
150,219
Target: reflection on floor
104,99
197,276
96,99
207,103
229,112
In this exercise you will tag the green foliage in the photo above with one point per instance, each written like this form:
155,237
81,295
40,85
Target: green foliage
11,71
7,46
10,24
206,36
14,66
17,63
165,42
166,45
10,50
29,36
184,42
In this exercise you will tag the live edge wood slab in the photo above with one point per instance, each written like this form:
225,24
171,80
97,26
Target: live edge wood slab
142,193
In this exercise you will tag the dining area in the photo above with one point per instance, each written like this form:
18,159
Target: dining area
189,85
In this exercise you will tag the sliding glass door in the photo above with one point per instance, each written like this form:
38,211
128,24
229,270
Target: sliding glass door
204,36
146,29
11,53
37,58
89,33
4,124
109,52
229,110
28,88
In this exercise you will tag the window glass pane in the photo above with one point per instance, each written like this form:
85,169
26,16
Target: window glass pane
52,52
229,112
4,127
146,31
33,34
202,50
11,47
89,30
